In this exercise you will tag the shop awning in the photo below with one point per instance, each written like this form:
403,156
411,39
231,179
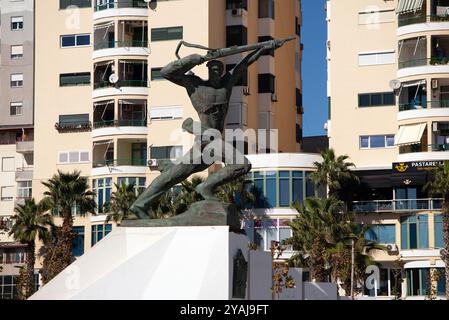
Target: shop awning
405,6
410,134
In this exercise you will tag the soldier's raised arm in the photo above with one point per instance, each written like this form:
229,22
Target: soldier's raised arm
176,71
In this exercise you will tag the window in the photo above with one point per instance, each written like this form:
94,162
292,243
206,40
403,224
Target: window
166,152
17,80
24,189
298,133
382,233
68,157
236,36
99,232
374,17
103,189
170,33
7,193
63,4
439,240
138,182
8,286
16,52
236,4
377,99
73,122
267,83
268,230
376,142
414,232
8,164
78,242
376,58
74,79
281,189
16,108
75,40
266,9
16,23
156,74
166,113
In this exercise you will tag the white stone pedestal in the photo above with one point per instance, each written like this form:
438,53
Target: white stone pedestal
164,263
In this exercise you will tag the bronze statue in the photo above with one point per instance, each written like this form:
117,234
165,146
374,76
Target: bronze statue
210,98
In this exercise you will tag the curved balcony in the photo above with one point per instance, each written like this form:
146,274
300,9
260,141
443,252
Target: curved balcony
429,109
120,48
122,87
434,65
119,127
422,24
438,153
120,8
119,166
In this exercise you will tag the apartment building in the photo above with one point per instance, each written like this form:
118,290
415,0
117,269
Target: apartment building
16,127
103,108
388,79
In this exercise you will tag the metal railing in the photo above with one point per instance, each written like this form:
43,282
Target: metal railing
397,205
405,21
119,162
434,61
120,44
121,4
120,123
434,104
121,83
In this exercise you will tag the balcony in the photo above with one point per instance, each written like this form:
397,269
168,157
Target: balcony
25,147
24,174
78,126
419,20
419,105
121,8
120,162
383,206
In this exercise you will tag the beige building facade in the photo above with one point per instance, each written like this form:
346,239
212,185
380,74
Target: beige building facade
387,80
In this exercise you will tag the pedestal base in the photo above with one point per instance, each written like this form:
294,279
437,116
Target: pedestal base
166,263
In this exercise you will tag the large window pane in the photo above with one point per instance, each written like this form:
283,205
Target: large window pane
271,190
284,189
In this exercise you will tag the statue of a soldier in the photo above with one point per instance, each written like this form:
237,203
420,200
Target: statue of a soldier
210,98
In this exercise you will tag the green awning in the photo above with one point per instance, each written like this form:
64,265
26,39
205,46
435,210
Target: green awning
405,6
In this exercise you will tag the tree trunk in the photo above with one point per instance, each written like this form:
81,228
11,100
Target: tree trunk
445,253
31,259
66,240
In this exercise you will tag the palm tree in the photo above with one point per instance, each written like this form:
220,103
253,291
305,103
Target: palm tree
333,173
323,234
236,192
30,222
121,201
440,186
66,192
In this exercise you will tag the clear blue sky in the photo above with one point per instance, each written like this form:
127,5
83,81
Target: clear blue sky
314,68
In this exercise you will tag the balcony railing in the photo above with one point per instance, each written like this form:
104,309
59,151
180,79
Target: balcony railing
73,126
119,123
397,205
122,4
405,21
24,146
121,83
119,162
434,104
434,61
121,44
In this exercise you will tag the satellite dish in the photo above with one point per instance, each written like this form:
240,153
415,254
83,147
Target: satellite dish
113,78
395,84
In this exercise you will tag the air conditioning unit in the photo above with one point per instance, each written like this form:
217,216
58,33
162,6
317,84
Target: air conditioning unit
274,97
434,84
391,247
152,163
246,91
237,12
